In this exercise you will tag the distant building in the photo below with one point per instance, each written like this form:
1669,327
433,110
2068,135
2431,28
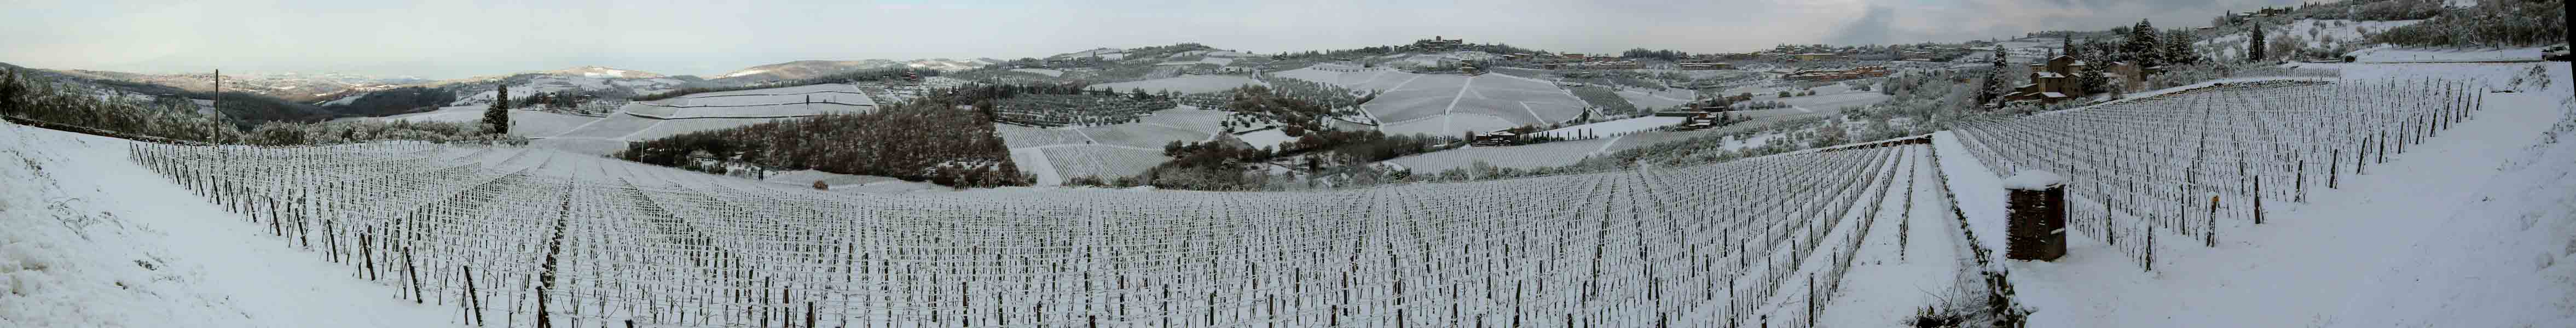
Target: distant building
1498,138
1703,121
2056,79
1439,43
1815,56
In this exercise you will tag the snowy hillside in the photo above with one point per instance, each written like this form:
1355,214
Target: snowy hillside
806,69
96,241
1441,104
2319,34
552,82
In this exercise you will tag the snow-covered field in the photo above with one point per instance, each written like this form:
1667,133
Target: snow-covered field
796,101
2386,54
1040,71
621,226
1184,84
2464,215
1054,154
1449,104
1071,161
1140,135
1270,139
648,120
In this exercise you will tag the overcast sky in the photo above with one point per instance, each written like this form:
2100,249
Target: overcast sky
460,38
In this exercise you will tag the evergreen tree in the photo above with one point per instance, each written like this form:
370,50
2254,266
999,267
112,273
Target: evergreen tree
2254,46
10,88
2142,45
2178,48
2093,79
497,119
2069,48
1993,86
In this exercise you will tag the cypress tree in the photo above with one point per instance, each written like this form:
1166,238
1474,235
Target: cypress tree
1993,87
2254,46
497,119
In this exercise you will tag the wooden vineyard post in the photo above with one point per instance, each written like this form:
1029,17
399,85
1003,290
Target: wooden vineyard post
414,274
2300,182
2210,231
2258,201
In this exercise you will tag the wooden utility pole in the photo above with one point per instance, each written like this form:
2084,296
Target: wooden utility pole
219,91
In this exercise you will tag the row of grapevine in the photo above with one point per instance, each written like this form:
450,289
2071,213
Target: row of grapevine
2181,164
1040,110
521,237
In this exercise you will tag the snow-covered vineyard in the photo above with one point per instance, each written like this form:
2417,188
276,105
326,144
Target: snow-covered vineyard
503,234
2164,194
2179,164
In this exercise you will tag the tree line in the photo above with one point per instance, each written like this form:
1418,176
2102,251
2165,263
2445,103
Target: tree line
845,77
927,139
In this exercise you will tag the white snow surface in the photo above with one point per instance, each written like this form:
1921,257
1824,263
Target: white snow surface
94,240
2476,227
2032,180
1040,71
1270,139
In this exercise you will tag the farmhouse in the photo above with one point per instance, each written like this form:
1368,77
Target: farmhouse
2056,79
1703,121
1498,138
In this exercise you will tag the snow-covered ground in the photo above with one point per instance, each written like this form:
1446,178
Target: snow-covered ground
2387,54
97,241
1184,84
2475,227
1040,71
1269,139
523,122
1441,104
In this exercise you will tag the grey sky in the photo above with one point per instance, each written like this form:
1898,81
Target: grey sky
458,38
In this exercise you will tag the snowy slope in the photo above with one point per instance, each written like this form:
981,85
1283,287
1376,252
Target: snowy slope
2475,227
97,241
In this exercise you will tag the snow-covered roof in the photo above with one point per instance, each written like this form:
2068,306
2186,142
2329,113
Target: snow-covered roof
2052,95
2047,74
2032,180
